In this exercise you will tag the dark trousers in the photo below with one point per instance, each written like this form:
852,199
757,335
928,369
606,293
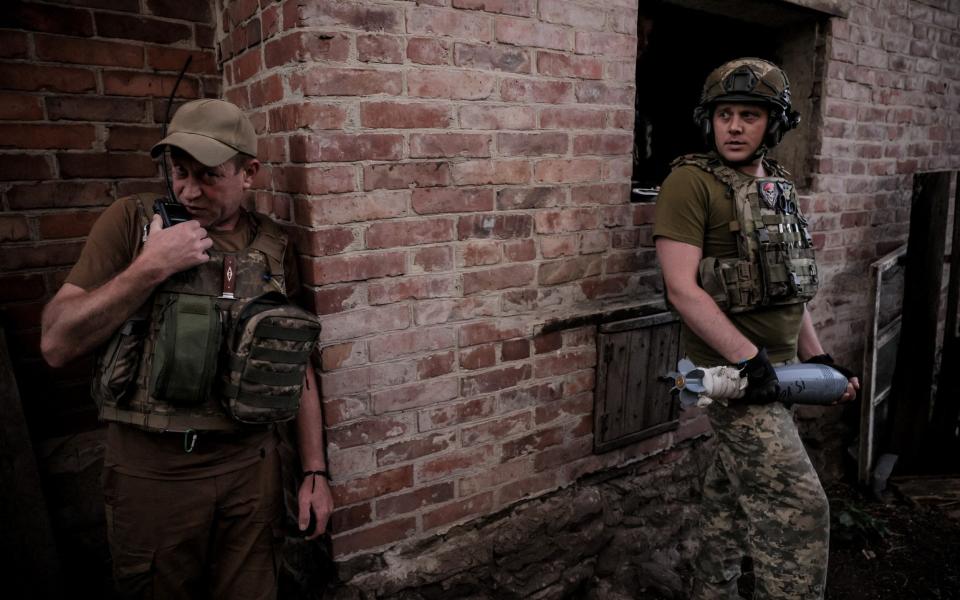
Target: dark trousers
203,538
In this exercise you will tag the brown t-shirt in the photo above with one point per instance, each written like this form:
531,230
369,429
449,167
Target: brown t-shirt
110,248
693,208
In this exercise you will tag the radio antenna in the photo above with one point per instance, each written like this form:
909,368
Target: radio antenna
166,121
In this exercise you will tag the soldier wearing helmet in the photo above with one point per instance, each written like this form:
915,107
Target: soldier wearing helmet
739,267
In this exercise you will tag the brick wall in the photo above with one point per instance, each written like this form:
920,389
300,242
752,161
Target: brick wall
82,91
457,173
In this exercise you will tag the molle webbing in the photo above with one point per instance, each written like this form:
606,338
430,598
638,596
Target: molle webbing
775,263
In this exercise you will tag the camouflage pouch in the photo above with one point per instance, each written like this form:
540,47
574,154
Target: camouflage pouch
185,355
118,361
269,341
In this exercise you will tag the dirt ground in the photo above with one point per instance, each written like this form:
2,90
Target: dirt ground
893,549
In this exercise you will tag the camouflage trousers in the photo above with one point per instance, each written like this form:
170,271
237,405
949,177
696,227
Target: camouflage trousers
761,498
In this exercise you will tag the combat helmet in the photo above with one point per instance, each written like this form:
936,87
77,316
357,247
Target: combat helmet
748,80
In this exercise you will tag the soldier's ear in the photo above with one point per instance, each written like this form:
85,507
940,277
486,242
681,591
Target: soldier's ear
250,171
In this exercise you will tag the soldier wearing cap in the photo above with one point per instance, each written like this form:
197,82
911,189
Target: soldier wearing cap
194,501
739,267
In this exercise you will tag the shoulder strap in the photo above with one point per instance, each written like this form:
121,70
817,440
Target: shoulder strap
271,241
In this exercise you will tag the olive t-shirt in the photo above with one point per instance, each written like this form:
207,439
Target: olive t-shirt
693,207
110,248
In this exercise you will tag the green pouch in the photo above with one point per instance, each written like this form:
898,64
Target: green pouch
185,356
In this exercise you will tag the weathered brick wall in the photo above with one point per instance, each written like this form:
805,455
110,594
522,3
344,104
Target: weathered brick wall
82,97
457,173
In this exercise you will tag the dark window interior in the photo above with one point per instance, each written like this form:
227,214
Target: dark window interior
683,47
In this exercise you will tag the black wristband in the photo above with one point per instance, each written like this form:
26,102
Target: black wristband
320,473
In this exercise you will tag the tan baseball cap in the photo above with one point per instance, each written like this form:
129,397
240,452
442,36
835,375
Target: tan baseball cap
211,131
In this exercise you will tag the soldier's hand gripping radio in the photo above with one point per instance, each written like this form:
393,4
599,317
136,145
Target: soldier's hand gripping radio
170,212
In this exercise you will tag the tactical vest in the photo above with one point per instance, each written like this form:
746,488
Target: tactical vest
132,382
775,263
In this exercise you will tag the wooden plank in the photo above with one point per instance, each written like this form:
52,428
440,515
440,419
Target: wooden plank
946,406
913,380
635,390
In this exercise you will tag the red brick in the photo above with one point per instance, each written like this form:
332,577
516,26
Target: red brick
581,404
532,443
478,505
315,180
520,8
579,16
564,270
497,117
354,381
610,193
14,44
644,213
88,52
41,256
547,342
412,288
14,228
341,14
409,342
347,209
47,136
485,332
21,167
328,81
436,365
266,91
20,107
595,92
477,254
403,175
113,110
444,22
142,29
527,197
340,147
562,455
523,32
58,195
373,537
351,517
246,66
414,500
457,85
310,116
49,19
478,357
487,172
306,46
415,395
561,245
450,414
433,259
494,380
565,362
492,58
34,78
129,83
560,221
66,224
330,240
19,288
572,118
494,226
606,44
428,51
532,144
525,487
444,145
498,429
121,137
348,354
515,349
176,9
566,65
433,312
404,115
497,279
626,262
520,250
333,299
454,463
90,166
566,171
163,58
369,431
380,49
534,91
594,241
356,267
270,21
